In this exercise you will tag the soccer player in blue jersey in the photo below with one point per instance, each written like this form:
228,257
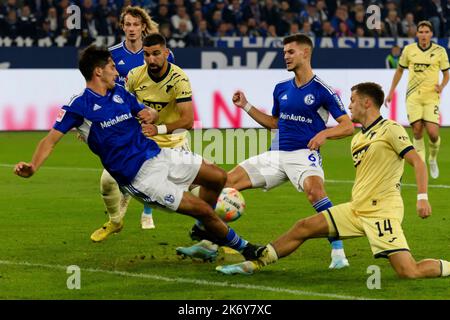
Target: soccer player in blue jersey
300,113
128,54
105,115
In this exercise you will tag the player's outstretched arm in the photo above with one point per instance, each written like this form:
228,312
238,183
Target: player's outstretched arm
267,121
423,206
397,76
343,129
42,152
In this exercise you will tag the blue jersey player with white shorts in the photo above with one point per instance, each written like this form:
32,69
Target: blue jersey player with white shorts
105,114
128,54
300,112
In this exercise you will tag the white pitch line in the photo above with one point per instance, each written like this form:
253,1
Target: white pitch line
412,185
190,281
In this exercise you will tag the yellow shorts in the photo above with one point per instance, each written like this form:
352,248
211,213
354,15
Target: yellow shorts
422,108
382,228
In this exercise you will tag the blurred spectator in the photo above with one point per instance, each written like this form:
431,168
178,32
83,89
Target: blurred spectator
272,31
101,13
393,57
435,14
166,31
89,24
344,30
201,37
53,20
341,15
393,25
222,30
269,12
328,30
306,29
287,17
253,30
379,32
180,35
236,13
10,5
11,25
242,30
408,23
181,16
322,9
162,16
214,21
360,32
311,15
252,10
27,23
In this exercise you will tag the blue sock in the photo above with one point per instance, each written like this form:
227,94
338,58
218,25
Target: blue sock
232,240
148,210
322,205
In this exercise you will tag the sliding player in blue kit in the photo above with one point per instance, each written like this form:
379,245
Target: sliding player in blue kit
105,115
127,55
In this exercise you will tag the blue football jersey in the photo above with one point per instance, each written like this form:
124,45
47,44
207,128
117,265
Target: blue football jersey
126,60
302,112
108,125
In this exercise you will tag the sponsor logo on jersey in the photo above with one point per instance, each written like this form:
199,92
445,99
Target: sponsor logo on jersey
117,98
358,155
284,97
158,106
121,62
309,99
96,107
116,120
60,115
294,117
421,67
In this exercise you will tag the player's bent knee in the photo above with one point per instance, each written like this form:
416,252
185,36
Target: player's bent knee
107,183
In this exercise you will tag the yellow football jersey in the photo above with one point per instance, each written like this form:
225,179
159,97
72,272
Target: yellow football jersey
423,66
377,153
162,94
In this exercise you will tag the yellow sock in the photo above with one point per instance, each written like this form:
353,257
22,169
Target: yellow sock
434,148
419,145
445,268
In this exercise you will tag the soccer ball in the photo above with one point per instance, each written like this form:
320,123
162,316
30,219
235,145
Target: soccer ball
230,205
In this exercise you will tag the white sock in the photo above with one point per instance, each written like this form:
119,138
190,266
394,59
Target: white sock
445,268
338,252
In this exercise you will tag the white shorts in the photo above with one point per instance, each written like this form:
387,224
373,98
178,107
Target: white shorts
272,168
162,180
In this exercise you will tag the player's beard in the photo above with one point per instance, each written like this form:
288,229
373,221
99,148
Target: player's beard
154,68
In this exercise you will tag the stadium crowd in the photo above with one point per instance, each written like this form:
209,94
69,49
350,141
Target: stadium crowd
195,23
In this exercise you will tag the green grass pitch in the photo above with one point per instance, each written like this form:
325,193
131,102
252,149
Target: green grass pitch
46,221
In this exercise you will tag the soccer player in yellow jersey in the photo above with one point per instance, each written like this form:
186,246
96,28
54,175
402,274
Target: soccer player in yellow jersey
162,86
423,60
376,206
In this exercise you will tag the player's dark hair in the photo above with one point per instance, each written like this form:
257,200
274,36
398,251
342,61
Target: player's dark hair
154,39
93,57
372,90
425,23
299,38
